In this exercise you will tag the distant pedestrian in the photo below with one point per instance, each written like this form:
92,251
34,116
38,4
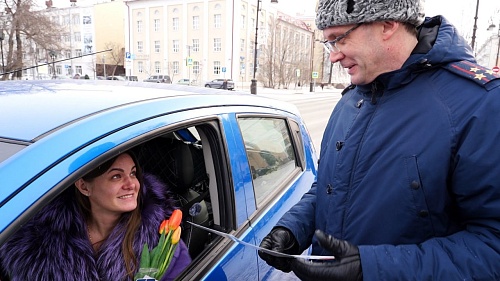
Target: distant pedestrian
322,86
224,84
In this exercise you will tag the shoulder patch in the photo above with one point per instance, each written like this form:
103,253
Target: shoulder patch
472,71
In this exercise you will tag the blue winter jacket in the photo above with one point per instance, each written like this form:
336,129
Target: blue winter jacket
410,168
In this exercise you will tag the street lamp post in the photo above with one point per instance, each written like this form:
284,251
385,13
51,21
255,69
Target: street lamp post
253,86
474,28
52,55
498,38
2,36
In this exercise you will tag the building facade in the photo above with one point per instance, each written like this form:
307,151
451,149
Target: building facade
196,40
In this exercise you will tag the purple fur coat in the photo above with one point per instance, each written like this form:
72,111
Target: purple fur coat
54,245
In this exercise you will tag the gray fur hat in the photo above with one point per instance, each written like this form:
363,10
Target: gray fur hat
344,12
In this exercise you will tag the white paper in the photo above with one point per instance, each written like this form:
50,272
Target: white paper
271,252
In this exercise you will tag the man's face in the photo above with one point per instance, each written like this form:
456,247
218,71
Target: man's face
357,51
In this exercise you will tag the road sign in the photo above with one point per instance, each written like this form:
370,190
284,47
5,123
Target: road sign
128,63
315,74
496,69
223,69
128,55
189,61
297,72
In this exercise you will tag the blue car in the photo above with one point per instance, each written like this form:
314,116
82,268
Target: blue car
246,159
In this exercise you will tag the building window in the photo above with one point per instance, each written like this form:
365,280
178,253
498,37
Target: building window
140,46
217,44
196,22
68,53
78,36
196,45
175,23
175,46
140,66
157,67
243,21
217,20
87,20
66,37
78,69
217,67
75,19
66,20
139,26
196,67
156,24
157,46
175,67
78,52
242,45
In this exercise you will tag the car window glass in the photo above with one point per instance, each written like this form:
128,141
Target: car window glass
270,153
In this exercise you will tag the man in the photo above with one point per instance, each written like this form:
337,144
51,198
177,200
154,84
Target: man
408,184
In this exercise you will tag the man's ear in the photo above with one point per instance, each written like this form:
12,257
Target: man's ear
82,187
389,28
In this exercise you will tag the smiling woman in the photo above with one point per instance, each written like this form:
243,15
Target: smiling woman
99,218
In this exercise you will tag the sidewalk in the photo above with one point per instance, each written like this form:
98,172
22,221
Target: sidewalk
298,90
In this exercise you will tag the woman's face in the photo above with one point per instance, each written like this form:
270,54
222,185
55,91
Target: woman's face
114,192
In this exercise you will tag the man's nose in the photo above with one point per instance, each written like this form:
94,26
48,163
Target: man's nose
335,57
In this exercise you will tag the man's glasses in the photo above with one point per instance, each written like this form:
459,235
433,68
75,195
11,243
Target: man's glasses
331,46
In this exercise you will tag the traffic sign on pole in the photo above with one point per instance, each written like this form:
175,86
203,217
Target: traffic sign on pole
496,69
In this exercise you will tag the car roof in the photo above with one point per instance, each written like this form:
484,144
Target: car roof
31,109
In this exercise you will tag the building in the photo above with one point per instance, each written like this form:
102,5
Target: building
488,54
77,41
198,40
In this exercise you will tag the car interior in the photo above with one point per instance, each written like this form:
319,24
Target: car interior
177,160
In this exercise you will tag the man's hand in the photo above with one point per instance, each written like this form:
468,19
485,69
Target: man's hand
281,240
345,267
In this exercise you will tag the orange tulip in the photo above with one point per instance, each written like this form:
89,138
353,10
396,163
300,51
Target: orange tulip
175,219
176,236
163,227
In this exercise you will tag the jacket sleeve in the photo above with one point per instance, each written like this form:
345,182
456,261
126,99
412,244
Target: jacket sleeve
473,253
300,219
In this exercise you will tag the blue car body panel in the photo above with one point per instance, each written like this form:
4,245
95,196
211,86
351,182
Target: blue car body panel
66,125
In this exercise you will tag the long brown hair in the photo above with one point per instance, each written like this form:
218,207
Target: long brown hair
134,217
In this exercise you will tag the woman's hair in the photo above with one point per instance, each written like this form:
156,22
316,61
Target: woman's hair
133,218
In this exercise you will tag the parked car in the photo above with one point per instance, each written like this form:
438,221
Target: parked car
242,160
159,79
131,78
186,81
119,78
219,84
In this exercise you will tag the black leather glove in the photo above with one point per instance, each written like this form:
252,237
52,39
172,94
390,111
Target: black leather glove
281,240
345,267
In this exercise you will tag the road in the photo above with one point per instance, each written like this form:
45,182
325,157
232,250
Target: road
315,109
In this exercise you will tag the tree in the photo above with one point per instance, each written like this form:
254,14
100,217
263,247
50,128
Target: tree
27,31
117,55
285,52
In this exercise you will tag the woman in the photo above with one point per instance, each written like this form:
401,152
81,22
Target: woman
96,230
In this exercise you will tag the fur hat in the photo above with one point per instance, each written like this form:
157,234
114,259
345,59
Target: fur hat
344,12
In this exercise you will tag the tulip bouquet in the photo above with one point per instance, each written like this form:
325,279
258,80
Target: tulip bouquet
154,263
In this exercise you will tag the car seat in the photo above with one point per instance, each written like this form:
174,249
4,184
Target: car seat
181,166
